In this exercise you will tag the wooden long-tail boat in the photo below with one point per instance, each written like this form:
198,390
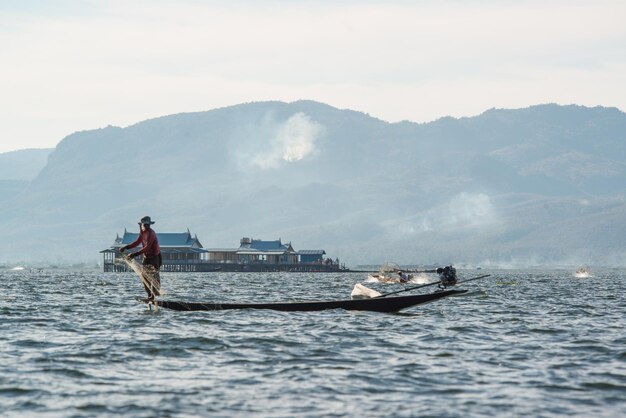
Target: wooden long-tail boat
378,304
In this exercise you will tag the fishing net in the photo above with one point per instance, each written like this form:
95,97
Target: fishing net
389,268
148,275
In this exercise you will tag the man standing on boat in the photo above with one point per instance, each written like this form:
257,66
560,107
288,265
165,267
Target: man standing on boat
152,259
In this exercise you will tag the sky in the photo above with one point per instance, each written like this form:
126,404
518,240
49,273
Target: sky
69,66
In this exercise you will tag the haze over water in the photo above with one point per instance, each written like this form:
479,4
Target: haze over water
538,343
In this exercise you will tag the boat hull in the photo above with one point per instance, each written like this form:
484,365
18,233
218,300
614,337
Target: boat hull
382,304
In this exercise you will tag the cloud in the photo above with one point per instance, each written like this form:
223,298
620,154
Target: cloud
84,65
293,141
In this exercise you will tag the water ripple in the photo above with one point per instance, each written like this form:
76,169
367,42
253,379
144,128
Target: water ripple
520,344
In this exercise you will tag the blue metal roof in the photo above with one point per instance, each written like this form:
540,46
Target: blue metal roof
311,252
171,250
166,239
260,245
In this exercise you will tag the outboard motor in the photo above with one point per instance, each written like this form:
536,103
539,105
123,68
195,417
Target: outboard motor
447,275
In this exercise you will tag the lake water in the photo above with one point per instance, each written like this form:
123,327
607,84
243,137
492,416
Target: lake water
520,343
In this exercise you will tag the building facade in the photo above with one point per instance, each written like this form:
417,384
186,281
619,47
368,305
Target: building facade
182,252
256,253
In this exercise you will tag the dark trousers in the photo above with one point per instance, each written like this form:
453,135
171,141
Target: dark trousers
152,279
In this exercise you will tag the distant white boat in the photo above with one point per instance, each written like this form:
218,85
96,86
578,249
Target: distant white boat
18,268
582,272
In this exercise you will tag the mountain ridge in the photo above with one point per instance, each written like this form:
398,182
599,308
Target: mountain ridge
366,190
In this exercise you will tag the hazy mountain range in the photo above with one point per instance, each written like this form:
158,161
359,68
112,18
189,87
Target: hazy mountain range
541,185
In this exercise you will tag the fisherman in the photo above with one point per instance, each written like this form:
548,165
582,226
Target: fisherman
403,277
152,259
447,276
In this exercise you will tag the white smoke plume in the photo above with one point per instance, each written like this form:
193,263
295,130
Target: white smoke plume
470,210
294,141
463,211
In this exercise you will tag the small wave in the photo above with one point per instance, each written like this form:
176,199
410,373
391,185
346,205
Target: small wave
604,386
65,371
17,391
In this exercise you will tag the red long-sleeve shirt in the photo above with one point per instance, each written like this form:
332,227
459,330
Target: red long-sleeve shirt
149,242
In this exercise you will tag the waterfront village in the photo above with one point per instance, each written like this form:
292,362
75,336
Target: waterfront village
183,252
